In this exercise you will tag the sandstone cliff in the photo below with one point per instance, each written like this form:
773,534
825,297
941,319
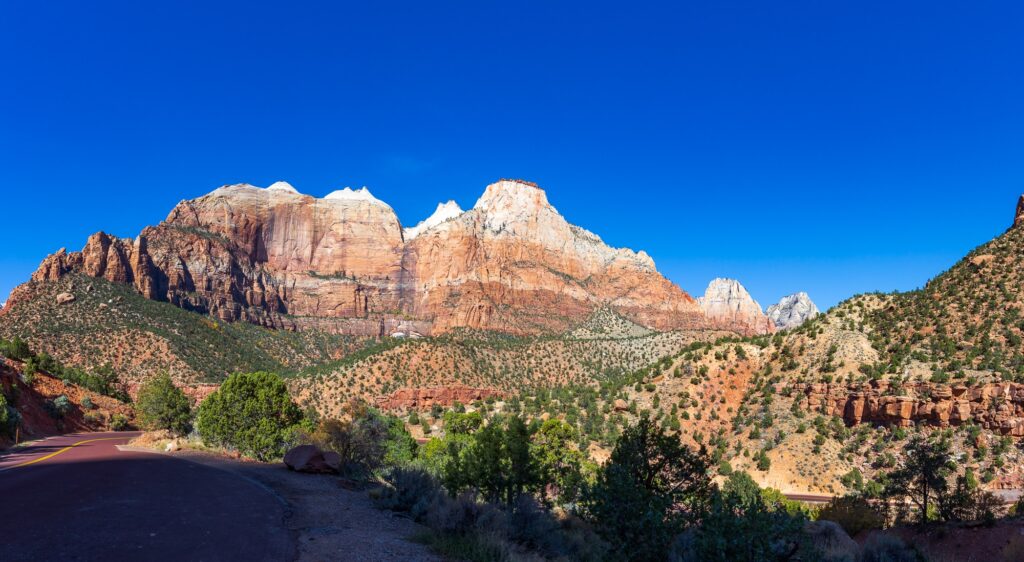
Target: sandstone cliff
343,263
994,406
728,304
792,311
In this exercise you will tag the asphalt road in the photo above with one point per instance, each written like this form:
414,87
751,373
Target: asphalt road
77,497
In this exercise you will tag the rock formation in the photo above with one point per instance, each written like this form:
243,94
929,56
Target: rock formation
792,310
343,263
995,406
728,304
444,212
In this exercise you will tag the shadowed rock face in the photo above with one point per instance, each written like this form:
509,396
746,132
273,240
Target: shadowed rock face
792,311
281,259
728,304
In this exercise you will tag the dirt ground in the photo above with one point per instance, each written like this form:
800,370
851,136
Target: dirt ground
327,521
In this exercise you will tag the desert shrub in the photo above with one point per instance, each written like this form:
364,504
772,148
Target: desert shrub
161,405
650,490
966,502
365,439
28,370
853,513
8,417
250,412
87,403
92,418
118,422
828,542
16,349
884,547
59,406
740,526
409,490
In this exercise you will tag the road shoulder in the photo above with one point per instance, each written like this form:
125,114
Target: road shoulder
326,520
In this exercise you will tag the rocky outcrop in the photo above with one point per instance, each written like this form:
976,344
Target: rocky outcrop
424,398
309,458
342,263
995,406
730,306
444,212
792,311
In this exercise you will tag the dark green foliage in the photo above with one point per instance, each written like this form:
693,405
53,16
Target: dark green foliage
16,349
855,514
118,422
496,462
8,417
651,489
365,440
250,412
923,476
462,423
161,405
558,461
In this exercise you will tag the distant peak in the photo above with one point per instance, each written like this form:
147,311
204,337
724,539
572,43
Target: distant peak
517,194
1018,218
444,212
282,186
349,194
792,310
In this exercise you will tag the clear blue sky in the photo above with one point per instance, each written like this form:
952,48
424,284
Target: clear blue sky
834,147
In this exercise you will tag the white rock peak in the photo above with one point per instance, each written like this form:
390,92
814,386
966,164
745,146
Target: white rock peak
282,186
349,194
792,310
443,213
725,297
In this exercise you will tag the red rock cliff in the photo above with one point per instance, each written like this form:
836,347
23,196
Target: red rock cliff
278,258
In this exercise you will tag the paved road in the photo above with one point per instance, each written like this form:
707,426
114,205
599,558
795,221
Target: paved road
77,497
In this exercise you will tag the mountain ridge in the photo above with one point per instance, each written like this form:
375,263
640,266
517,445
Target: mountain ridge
343,263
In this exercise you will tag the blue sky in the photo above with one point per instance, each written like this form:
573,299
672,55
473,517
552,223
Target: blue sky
834,147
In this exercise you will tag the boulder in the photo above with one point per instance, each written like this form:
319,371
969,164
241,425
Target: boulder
65,298
309,458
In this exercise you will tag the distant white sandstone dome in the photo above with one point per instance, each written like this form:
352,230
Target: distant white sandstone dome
444,212
282,186
349,194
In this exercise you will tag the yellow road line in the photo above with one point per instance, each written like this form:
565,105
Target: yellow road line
55,453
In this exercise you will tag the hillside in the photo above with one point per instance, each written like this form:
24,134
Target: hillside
87,322
46,405
603,346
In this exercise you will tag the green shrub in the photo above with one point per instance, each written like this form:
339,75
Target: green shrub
16,349
853,513
161,405
365,440
651,489
59,406
250,412
87,403
118,422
